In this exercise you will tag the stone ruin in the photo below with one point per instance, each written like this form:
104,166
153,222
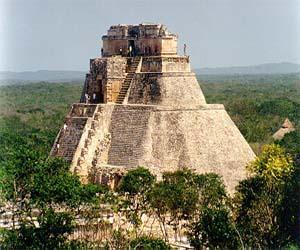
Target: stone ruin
142,106
286,127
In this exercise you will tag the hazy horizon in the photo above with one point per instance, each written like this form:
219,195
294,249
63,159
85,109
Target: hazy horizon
193,68
64,35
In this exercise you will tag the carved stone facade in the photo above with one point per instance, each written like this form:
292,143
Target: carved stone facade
147,109
105,79
144,40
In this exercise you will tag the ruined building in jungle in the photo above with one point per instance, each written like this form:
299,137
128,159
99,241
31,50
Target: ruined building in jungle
142,106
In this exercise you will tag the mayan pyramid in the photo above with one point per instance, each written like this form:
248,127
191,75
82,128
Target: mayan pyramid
142,106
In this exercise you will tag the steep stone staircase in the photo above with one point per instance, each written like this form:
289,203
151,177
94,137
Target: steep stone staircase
125,86
67,140
96,134
128,132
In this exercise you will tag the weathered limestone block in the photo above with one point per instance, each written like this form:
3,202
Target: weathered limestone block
116,67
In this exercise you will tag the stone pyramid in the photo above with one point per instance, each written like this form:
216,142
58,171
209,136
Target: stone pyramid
142,106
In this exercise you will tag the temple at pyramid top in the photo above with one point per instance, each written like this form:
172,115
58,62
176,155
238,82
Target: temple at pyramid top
139,40
139,64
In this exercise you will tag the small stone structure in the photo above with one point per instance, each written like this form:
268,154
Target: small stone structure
286,128
142,106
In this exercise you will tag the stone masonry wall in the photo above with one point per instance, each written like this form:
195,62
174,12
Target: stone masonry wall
180,90
165,139
165,64
116,73
161,138
204,139
90,150
130,123
105,79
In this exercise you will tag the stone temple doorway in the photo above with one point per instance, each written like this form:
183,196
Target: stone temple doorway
131,48
97,96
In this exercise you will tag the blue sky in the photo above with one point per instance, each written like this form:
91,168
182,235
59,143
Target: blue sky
64,34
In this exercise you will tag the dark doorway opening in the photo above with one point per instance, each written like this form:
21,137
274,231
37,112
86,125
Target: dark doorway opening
101,98
131,48
97,96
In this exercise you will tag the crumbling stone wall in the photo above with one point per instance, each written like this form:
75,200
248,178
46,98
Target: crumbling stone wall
116,73
146,39
105,79
151,64
145,90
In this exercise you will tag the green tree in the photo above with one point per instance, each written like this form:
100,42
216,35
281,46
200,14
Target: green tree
148,243
212,224
214,229
51,233
133,189
136,181
273,165
174,199
291,144
266,203
45,198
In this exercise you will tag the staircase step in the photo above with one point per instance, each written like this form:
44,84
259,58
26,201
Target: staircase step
127,82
